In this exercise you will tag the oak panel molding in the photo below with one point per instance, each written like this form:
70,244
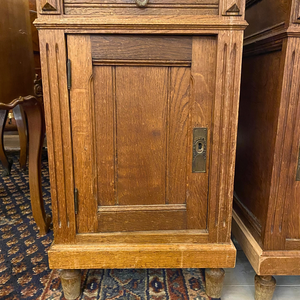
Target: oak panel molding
145,237
270,44
134,24
56,102
268,40
158,63
147,48
229,55
253,221
265,33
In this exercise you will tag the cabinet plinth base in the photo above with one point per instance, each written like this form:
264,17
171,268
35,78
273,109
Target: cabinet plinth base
127,256
265,262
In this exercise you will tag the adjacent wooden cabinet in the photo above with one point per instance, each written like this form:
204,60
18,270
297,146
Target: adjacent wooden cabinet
141,102
267,182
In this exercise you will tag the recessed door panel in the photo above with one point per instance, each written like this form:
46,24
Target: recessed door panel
141,134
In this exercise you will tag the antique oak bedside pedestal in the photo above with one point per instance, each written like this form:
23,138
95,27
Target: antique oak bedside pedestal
141,102
267,185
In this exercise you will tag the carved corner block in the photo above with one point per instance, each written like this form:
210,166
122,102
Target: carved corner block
297,13
50,7
233,8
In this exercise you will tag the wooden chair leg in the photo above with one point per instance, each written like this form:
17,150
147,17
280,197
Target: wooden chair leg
5,162
22,130
214,282
264,287
71,283
36,132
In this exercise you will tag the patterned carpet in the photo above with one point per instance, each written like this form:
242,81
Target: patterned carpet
24,272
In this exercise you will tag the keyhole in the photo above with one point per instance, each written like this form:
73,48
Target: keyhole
200,147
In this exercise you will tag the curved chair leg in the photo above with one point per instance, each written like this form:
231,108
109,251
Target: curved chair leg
36,131
5,162
22,130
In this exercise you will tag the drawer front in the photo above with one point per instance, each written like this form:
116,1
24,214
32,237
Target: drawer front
149,7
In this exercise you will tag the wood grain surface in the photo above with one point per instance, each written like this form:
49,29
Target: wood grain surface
267,202
177,134
202,97
57,115
144,237
155,7
83,131
141,47
125,256
141,95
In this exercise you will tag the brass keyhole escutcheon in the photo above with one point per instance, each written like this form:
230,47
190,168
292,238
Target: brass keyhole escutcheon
200,148
141,3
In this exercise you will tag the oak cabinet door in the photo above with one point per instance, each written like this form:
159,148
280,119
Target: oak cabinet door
136,103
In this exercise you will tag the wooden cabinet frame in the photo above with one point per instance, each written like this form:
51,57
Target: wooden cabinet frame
209,247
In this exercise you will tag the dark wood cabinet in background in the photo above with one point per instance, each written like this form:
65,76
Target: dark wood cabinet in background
35,38
19,91
267,182
141,110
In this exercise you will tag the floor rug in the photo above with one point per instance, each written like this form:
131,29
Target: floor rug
24,272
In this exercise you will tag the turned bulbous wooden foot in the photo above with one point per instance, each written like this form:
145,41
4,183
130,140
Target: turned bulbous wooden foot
264,287
71,283
214,282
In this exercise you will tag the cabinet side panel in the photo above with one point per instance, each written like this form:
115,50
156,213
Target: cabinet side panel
258,114
292,215
284,186
289,192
